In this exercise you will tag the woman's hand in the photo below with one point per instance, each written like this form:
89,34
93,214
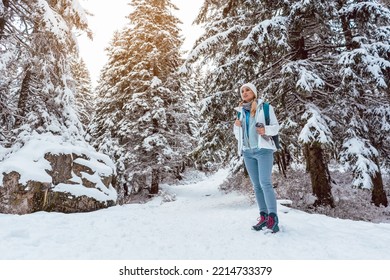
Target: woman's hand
260,130
237,123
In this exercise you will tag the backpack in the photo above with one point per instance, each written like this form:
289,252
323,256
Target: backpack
275,138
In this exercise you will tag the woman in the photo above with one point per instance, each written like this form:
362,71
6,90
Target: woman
257,147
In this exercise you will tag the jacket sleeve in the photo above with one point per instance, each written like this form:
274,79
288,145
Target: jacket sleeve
273,127
236,131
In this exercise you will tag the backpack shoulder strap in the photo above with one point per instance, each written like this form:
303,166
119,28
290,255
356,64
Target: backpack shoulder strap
266,112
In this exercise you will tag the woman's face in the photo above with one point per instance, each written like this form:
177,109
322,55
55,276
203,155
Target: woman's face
247,94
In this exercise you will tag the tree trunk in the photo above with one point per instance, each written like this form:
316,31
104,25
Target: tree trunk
178,171
378,194
347,33
279,159
2,18
24,93
319,174
306,153
345,24
315,162
155,181
2,25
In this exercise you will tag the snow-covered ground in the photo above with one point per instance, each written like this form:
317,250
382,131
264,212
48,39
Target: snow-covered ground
202,223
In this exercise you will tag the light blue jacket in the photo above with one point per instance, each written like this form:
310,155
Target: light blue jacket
270,130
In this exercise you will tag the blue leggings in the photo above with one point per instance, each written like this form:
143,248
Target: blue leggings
259,163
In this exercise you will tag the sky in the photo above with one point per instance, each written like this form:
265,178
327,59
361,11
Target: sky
194,220
109,18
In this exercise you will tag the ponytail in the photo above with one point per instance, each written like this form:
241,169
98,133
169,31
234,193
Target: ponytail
253,106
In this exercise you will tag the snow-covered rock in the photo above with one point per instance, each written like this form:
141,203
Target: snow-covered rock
49,175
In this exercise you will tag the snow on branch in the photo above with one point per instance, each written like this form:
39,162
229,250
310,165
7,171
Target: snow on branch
307,79
211,42
54,23
277,24
79,11
357,155
155,82
365,9
316,128
374,65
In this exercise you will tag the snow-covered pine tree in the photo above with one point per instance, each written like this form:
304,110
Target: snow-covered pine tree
301,76
283,47
190,95
363,101
42,33
141,117
9,62
107,107
83,96
225,24
298,35
38,41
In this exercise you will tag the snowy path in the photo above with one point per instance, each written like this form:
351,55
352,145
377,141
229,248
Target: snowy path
202,223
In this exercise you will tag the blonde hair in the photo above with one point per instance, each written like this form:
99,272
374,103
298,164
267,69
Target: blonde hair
253,106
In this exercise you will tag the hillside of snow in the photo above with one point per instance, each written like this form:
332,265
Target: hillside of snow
201,223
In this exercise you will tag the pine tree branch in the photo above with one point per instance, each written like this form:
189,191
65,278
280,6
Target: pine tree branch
325,47
275,65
